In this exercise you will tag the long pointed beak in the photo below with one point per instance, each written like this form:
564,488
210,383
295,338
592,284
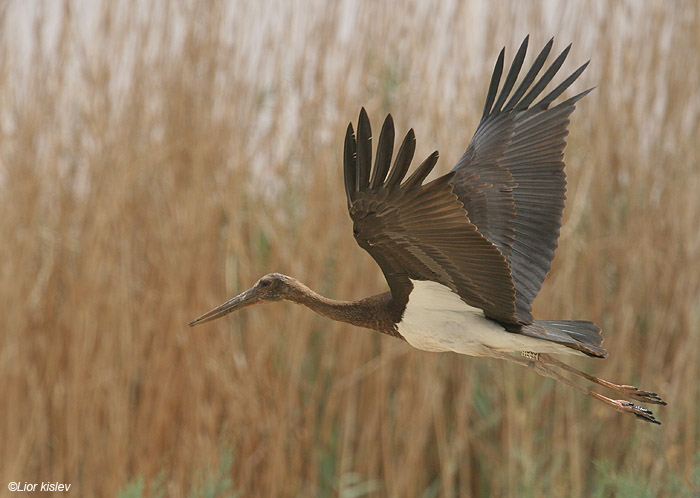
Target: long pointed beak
247,298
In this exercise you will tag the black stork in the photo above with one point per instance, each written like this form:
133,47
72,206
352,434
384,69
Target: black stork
464,255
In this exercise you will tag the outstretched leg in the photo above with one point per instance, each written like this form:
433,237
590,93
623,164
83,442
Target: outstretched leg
541,368
624,390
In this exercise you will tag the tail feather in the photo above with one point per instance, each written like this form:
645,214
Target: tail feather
577,334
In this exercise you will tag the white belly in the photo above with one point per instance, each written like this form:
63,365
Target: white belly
436,319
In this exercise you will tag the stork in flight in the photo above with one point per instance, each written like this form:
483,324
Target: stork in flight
464,255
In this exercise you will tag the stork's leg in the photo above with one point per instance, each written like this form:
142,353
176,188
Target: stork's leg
624,390
541,368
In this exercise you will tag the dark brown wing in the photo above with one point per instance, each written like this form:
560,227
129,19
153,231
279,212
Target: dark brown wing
511,178
420,231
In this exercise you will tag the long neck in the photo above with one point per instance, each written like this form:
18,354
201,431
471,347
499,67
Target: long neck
373,312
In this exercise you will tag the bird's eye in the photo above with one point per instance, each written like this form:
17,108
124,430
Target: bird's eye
264,283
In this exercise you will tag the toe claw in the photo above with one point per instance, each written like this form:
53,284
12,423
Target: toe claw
639,412
643,396
648,418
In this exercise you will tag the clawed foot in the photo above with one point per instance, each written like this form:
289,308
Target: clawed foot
643,396
637,411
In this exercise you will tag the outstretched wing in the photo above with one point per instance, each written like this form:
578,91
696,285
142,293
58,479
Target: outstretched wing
511,178
417,231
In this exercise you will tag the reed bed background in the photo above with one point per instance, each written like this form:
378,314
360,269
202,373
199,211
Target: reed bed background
155,160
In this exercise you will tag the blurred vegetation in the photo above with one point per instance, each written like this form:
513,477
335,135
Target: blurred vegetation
206,484
157,158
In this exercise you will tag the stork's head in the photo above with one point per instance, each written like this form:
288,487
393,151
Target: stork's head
271,287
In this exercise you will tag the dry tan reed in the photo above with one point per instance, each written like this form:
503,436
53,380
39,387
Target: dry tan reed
156,160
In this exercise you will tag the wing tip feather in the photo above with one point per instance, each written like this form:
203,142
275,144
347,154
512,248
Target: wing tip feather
349,162
361,176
